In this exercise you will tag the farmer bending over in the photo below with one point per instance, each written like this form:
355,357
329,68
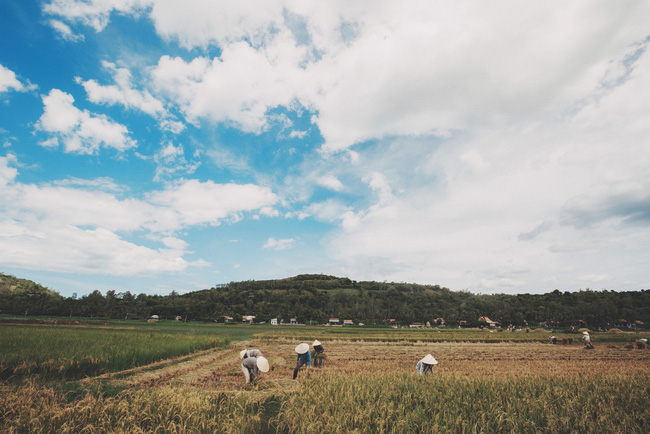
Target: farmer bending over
249,353
425,365
251,367
304,358
319,354
587,339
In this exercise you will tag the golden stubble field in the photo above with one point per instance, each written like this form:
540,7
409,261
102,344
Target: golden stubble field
364,387
219,370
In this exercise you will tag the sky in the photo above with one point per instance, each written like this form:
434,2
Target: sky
156,145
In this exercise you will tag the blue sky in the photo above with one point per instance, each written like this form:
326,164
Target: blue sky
153,146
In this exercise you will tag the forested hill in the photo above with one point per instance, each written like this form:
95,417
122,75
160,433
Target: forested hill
320,297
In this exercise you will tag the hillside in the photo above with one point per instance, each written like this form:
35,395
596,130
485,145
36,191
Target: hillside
316,298
13,285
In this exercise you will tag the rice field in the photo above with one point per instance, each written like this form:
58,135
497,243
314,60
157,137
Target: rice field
64,352
384,334
366,386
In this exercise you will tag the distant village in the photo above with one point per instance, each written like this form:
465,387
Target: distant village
483,322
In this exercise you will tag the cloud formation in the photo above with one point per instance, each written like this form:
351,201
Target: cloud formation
81,131
92,230
281,244
340,61
9,81
497,146
122,92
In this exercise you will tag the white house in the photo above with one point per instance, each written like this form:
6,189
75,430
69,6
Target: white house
348,322
274,321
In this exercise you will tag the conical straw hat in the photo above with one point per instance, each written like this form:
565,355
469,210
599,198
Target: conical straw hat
302,348
316,343
429,360
242,353
263,364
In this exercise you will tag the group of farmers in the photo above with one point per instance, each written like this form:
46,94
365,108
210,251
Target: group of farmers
585,337
253,362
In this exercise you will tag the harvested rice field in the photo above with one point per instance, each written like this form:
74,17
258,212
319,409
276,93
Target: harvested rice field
364,386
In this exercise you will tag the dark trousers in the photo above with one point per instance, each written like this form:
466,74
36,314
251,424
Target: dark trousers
298,366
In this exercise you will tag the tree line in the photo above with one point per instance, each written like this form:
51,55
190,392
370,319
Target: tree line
316,298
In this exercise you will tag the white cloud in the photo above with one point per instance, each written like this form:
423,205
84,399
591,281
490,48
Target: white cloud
504,146
52,142
384,71
7,173
67,229
513,210
595,278
281,244
122,92
88,251
295,134
80,131
82,226
196,202
331,182
93,13
378,183
201,22
8,81
81,207
170,161
65,31
238,88
101,184
509,66
268,211
175,127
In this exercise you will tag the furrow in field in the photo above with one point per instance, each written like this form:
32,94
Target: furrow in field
171,373
149,367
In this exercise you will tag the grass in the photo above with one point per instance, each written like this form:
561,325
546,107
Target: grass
368,383
384,334
32,408
68,352
380,402
366,403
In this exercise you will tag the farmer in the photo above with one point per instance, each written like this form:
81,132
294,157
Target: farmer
249,353
251,367
425,365
587,339
553,340
319,354
304,358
